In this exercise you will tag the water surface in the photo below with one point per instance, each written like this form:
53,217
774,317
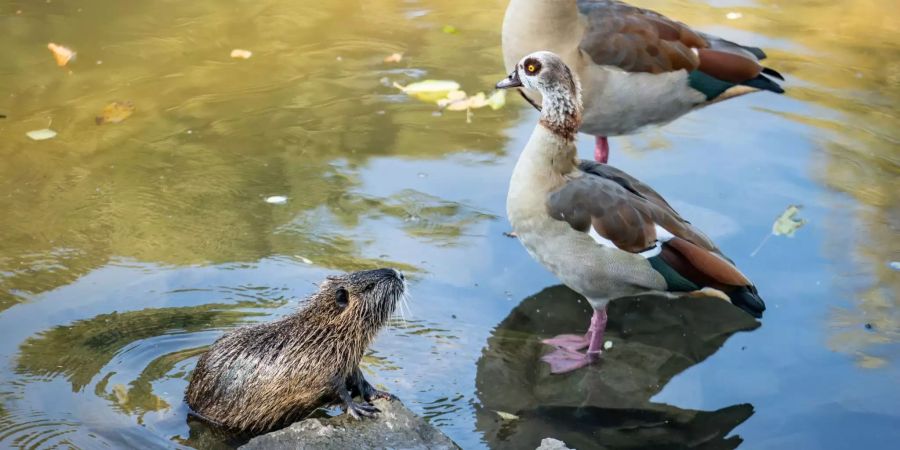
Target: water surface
127,248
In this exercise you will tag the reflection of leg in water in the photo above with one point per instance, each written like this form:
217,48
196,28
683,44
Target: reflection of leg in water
566,357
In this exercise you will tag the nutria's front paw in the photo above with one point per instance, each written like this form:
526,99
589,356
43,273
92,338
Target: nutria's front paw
360,410
375,393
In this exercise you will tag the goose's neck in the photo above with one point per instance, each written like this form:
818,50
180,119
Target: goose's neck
547,156
561,110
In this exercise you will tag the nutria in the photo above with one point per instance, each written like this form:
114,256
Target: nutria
268,375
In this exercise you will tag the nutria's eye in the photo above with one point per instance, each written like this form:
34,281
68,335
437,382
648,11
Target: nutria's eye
342,298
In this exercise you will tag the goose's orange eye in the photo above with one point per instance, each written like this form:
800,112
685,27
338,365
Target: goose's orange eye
530,68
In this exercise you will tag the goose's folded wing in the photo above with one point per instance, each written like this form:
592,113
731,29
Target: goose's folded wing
627,181
639,40
629,214
617,210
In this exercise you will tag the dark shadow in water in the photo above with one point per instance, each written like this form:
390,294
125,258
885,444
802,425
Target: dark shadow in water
607,405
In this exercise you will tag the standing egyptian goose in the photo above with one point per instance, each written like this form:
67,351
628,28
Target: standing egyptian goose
601,231
637,67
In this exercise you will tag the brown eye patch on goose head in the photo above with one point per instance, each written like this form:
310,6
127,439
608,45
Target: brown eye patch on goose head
532,66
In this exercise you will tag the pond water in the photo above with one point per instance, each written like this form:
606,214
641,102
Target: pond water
127,248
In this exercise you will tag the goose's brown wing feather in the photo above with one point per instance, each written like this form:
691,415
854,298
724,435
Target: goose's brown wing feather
626,212
640,40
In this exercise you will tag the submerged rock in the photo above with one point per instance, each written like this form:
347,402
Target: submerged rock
396,428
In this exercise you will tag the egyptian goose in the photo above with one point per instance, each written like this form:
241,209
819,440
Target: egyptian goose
601,231
637,67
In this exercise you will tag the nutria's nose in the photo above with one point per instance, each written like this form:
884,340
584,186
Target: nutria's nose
399,274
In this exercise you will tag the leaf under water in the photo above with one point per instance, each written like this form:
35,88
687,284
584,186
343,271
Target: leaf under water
115,112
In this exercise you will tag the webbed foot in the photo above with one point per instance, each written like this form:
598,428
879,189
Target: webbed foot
572,342
562,360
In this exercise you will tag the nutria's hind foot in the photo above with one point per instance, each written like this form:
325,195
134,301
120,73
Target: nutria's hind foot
359,410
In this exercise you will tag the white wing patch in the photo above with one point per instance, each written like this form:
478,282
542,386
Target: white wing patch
662,236
600,239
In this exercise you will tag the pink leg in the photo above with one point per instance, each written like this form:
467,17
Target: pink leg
566,358
601,149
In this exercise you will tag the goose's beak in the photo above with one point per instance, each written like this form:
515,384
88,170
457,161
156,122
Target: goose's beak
512,81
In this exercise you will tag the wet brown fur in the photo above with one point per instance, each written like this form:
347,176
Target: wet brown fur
268,375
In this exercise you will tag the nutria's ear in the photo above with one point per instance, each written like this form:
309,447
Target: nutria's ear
342,298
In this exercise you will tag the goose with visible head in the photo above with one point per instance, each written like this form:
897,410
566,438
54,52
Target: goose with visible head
637,67
601,231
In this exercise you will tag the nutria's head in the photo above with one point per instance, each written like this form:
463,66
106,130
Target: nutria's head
370,296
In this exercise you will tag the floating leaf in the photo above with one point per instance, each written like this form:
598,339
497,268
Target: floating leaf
40,135
303,259
449,29
241,54
497,100
115,112
429,90
276,200
451,98
785,225
507,416
62,54
394,58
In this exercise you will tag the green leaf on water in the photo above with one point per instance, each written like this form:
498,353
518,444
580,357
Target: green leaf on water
449,29
787,223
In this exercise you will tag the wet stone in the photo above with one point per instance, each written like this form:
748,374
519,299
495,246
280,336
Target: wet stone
396,428
553,444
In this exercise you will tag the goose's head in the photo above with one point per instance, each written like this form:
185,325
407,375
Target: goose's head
547,74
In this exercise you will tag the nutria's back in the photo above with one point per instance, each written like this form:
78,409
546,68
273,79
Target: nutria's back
267,375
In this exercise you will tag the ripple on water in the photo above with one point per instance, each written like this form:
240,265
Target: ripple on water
32,430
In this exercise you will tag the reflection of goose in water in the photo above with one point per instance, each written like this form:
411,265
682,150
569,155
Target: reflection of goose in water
607,405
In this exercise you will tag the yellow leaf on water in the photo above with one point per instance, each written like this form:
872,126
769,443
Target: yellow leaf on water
449,29
62,54
451,98
40,135
115,112
507,416
394,58
429,90
241,54
787,224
